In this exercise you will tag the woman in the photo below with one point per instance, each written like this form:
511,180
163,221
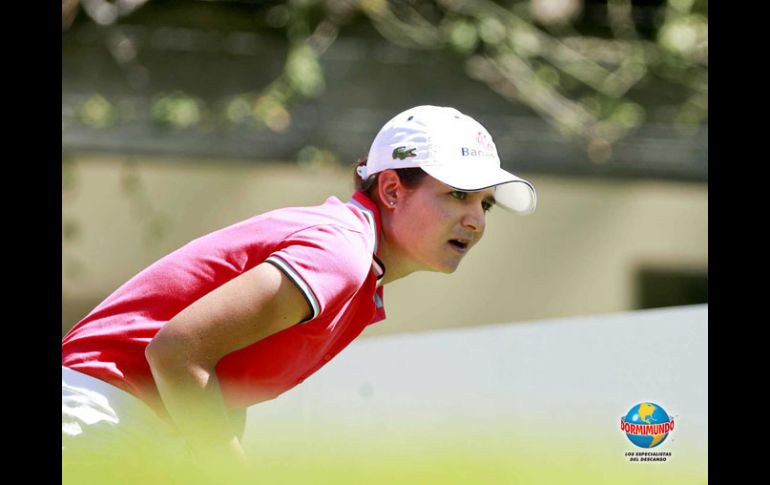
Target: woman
247,312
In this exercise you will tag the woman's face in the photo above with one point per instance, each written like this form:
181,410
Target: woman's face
433,225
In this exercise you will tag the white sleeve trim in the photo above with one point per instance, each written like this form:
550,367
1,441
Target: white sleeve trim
301,284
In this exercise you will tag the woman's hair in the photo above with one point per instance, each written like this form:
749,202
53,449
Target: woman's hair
410,177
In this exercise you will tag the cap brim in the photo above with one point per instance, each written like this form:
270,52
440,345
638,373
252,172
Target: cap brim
511,192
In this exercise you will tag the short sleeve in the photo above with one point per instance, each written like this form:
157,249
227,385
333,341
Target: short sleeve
328,263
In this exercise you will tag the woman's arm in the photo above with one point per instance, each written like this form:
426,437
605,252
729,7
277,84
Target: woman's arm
184,353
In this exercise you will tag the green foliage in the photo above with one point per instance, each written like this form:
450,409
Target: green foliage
580,80
303,71
97,112
176,110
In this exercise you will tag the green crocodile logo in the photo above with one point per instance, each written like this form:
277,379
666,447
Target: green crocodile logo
402,152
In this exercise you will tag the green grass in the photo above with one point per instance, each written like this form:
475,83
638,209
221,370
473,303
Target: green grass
339,457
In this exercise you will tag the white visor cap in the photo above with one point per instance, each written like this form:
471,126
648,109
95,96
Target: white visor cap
452,148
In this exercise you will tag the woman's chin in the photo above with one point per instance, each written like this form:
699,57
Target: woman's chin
447,267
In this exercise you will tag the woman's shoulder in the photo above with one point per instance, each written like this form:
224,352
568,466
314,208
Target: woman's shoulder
297,218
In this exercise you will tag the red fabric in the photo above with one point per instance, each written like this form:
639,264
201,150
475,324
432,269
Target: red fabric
329,247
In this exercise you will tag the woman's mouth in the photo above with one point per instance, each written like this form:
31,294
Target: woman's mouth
459,245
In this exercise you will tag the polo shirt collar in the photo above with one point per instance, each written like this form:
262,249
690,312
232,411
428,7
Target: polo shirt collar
372,214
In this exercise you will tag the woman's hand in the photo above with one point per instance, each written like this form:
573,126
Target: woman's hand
184,353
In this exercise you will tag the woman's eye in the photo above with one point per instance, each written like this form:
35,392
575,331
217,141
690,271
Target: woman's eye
486,206
459,195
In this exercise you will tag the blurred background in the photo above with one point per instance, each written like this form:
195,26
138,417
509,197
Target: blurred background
182,117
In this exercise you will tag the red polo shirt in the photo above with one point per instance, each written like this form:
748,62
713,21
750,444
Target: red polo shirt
328,251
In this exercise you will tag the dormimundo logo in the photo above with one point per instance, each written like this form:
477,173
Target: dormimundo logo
647,425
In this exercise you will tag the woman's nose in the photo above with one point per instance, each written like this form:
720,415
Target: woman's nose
475,220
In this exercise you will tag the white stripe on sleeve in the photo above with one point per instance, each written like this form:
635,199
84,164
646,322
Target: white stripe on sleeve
301,284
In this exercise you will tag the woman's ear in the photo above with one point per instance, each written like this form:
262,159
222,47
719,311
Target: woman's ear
389,188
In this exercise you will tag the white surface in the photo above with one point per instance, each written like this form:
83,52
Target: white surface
582,372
